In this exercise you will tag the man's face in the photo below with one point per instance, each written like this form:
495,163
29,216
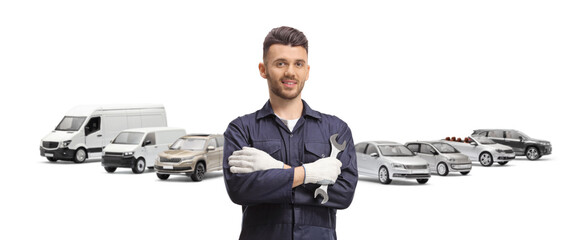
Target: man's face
286,69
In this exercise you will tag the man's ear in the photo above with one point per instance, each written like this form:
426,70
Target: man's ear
307,72
262,69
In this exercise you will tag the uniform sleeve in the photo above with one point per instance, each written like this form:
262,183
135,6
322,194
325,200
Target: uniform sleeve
269,186
341,193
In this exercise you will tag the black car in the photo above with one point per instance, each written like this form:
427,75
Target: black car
519,141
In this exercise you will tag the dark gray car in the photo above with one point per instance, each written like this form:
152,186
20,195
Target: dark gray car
522,144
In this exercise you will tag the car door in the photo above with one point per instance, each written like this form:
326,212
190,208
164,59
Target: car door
514,140
213,155
373,162
220,143
94,137
362,158
426,152
150,149
497,136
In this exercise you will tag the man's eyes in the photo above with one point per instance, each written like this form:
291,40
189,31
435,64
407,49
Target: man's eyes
283,64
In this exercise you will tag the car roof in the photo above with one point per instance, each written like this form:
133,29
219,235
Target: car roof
382,142
201,135
151,129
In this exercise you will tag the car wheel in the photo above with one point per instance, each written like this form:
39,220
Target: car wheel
162,176
80,155
139,166
532,153
384,175
198,173
502,163
485,159
110,169
51,159
442,169
423,181
465,173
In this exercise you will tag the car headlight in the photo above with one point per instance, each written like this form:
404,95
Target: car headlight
128,153
452,159
398,165
499,150
66,143
546,143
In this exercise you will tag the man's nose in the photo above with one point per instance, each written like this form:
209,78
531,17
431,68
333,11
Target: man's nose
290,72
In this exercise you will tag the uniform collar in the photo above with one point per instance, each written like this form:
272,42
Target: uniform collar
268,111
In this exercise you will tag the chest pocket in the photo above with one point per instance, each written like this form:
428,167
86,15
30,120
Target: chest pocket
271,147
315,150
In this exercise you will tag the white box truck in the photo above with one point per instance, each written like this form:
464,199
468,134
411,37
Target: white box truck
85,130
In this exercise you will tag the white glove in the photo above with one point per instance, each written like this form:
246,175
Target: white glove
251,159
322,171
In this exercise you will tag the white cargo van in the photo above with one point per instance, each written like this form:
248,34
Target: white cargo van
85,130
138,148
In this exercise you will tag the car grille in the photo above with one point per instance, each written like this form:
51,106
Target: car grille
172,160
415,166
113,154
50,144
174,168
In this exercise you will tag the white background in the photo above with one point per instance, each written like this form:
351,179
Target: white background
398,70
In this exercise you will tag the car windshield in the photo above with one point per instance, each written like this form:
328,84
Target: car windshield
395,150
132,138
484,140
70,123
445,148
195,144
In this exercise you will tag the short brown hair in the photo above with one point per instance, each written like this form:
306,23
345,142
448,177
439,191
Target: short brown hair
286,36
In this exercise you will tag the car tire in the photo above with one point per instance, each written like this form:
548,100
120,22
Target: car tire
198,172
80,155
384,175
442,169
532,153
110,169
139,166
502,163
162,176
465,173
485,159
51,159
423,180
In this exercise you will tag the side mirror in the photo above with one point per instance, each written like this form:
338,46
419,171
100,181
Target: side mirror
210,148
473,143
148,142
521,139
434,152
375,155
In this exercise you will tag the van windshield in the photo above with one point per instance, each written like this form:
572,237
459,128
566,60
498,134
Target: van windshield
132,138
444,148
70,123
195,144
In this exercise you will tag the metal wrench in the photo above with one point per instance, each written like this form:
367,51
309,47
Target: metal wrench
336,148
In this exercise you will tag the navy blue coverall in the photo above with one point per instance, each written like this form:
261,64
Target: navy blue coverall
272,209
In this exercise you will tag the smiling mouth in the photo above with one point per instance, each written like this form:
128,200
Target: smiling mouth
287,82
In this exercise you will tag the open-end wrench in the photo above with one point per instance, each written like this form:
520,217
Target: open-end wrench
336,148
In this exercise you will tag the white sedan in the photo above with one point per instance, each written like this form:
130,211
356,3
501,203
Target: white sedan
484,150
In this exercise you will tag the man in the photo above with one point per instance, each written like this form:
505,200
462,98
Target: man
274,157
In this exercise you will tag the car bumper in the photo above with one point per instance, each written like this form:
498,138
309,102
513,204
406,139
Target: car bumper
58,153
118,161
504,156
168,169
411,174
546,150
460,167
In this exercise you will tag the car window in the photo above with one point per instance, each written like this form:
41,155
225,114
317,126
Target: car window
413,147
150,137
220,141
360,148
427,149
372,149
212,142
93,125
512,135
495,134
